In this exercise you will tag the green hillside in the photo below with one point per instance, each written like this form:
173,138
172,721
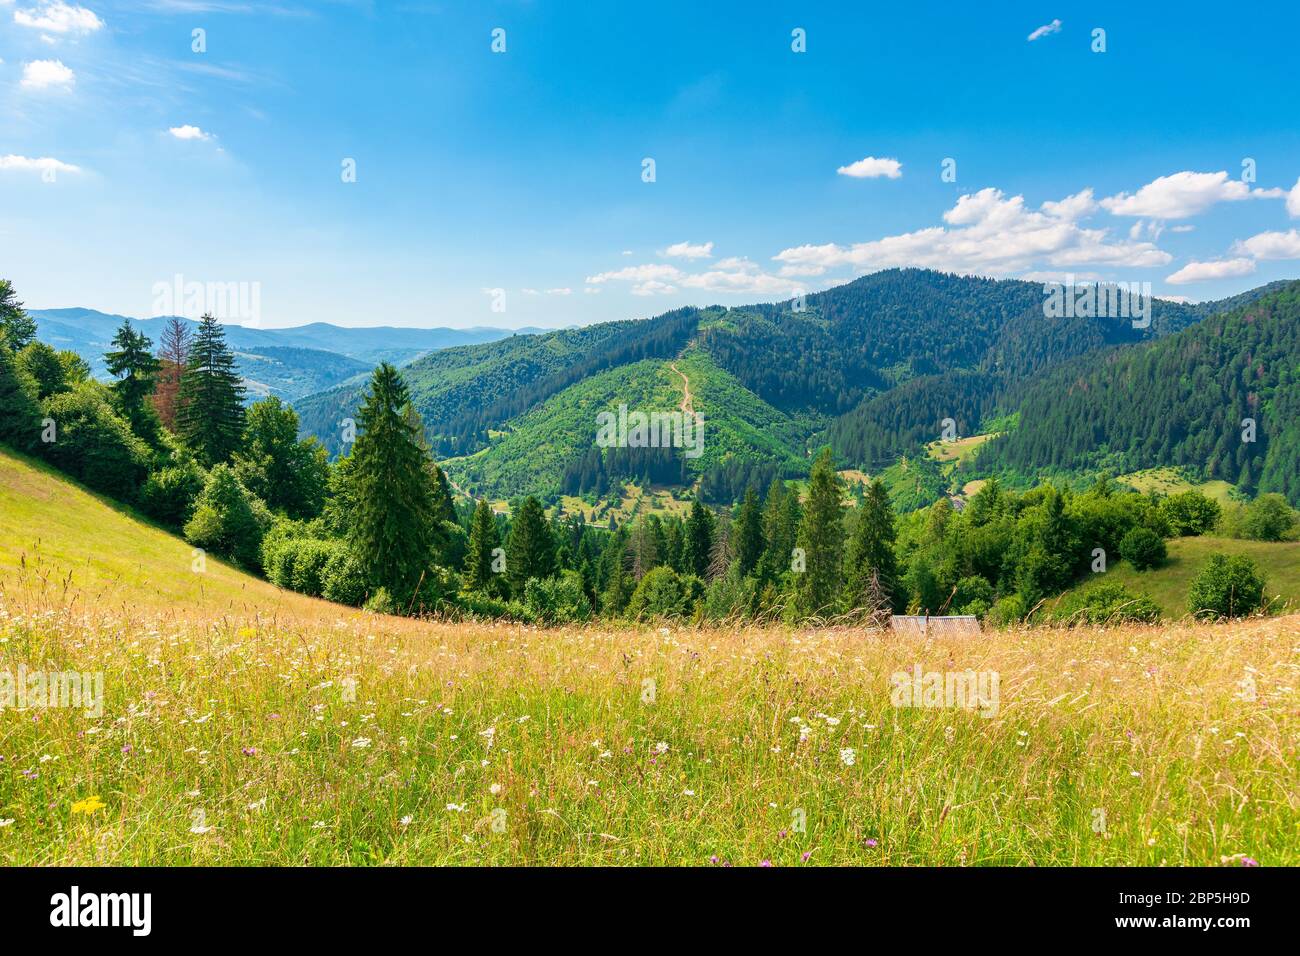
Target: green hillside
1168,584
533,450
59,540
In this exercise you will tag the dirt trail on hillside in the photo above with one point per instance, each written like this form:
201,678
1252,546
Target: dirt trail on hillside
688,407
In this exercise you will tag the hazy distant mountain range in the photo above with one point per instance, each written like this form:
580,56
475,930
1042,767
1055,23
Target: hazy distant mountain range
290,363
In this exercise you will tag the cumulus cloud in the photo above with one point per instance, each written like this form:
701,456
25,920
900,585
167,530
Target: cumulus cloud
55,16
869,167
1181,195
989,233
1045,29
189,132
732,276
1201,271
1270,245
46,74
12,163
1293,201
685,250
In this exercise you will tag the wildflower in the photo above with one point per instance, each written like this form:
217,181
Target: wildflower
7,822
713,859
494,789
1245,860
456,808
661,748
361,743
249,751
871,842
848,756
88,805
406,820
127,748
765,863
200,828
689,793
804,857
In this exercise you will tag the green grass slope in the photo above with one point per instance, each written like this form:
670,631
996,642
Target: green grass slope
1168,584
58,540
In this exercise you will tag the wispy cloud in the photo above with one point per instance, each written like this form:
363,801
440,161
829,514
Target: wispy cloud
55,16
25,164
1221,269
1044,30
686,250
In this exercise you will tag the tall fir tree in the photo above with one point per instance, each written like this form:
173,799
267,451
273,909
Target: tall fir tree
821,536
484,539
871,571
132,363
530,552
393,507
749,532
698,544
210,419
17,328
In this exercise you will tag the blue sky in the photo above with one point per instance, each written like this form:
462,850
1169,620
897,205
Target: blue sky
522,171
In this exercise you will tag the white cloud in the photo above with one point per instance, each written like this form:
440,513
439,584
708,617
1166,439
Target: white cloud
1181,195
730,276
1045,29
43,74
988,233
1270,245
55,16
13,163
559,292
1201,271
1293,201
871,168
189,132
684,250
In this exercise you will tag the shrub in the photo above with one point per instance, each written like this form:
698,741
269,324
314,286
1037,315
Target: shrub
558,600
1009,610
1190,513
1142,548
381,602
1107,603
973,590
20,417
94,444
480,604
730,596
343,579
309,556
1267,518
228,521
1226,587
658,594
169,494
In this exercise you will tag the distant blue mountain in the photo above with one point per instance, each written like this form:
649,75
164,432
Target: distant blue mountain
289,362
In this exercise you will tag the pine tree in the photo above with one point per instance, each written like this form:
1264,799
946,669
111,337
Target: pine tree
392,515
530,552
721,554
211,398
173,354
749,532
698,545
872,571
17,328
133,364
483,540
821,536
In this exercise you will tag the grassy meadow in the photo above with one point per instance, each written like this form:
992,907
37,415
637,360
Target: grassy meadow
243,725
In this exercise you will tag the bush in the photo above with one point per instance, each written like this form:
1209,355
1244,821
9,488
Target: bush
972,591
1010,610
20,417
558,600
1267,518
169,494
437,591
307,566
1108,603
93,444
228,521
480,604
1226,587
1190,513
1142,548
344,579
658,594
730,596
381,602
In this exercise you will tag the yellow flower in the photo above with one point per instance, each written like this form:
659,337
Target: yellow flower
247,632
88,806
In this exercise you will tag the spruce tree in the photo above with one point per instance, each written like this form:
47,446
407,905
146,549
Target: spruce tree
393,507
698,545
821,536
872,570
530,552
749,532
17,328
133,364
483,540
210,419
173,354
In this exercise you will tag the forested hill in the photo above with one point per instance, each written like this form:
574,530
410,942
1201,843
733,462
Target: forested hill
873,367
1177,401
